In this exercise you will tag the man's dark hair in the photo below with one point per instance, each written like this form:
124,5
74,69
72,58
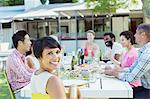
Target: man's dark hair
42,43
128,35
110,34
18,36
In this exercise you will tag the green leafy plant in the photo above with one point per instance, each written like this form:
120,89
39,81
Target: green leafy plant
11,2
108,6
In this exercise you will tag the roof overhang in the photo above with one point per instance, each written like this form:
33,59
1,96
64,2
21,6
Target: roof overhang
41,13
62,10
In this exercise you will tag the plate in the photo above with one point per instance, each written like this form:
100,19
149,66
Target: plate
70,82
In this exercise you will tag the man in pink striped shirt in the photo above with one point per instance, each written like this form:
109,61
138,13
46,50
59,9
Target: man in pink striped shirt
18,72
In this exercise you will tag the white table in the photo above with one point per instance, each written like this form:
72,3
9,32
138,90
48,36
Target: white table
108,88
104,87
6,52
3,58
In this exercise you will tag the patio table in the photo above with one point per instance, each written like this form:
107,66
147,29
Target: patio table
103,87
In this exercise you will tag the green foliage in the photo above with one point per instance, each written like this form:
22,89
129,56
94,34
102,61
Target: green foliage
146,7
108,6
4,87
11,2
74,1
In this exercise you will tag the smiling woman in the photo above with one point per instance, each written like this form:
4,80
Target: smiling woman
47,51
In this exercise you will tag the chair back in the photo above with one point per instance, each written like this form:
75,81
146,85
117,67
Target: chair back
40,96
44,96
10,90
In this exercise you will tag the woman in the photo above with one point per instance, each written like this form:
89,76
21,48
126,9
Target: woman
47,51
91,49
127,41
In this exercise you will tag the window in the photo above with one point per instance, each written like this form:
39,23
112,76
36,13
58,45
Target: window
100,26
6,25
133,23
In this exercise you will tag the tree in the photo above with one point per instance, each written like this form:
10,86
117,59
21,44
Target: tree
146,8
109,6
11,2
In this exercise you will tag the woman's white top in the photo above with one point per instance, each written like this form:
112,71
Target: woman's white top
35,61
39,82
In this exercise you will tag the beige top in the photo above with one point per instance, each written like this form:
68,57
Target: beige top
39,82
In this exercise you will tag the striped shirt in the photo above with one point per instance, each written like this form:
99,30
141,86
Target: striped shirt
140,68
18,72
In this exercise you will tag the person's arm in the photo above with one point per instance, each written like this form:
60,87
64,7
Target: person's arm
97,52
116,62
19,67
113,71
140,66
55,88
118,52
30,63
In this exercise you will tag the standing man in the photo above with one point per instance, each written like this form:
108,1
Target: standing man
141,67
18,72
112,47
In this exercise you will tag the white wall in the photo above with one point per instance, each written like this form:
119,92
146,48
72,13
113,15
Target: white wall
73,26
7,36
119,24
20,26
31,4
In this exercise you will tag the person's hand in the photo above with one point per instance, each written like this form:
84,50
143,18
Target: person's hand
112,71
109,55
108,70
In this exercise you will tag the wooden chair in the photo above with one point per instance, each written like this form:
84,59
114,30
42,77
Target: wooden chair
42,96
10,90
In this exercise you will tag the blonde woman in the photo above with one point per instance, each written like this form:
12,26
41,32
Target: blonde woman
91,49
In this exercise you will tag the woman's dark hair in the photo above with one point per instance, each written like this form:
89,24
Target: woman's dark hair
128,35
42,43
18,36
32,42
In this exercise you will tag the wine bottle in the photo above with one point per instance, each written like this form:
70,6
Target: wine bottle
82,57
73,62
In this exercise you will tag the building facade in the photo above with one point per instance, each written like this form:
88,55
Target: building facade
68,21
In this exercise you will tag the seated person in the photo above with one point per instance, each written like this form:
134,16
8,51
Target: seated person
112,47
17,69
32,61
91,49
47,51
141,66
128,58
